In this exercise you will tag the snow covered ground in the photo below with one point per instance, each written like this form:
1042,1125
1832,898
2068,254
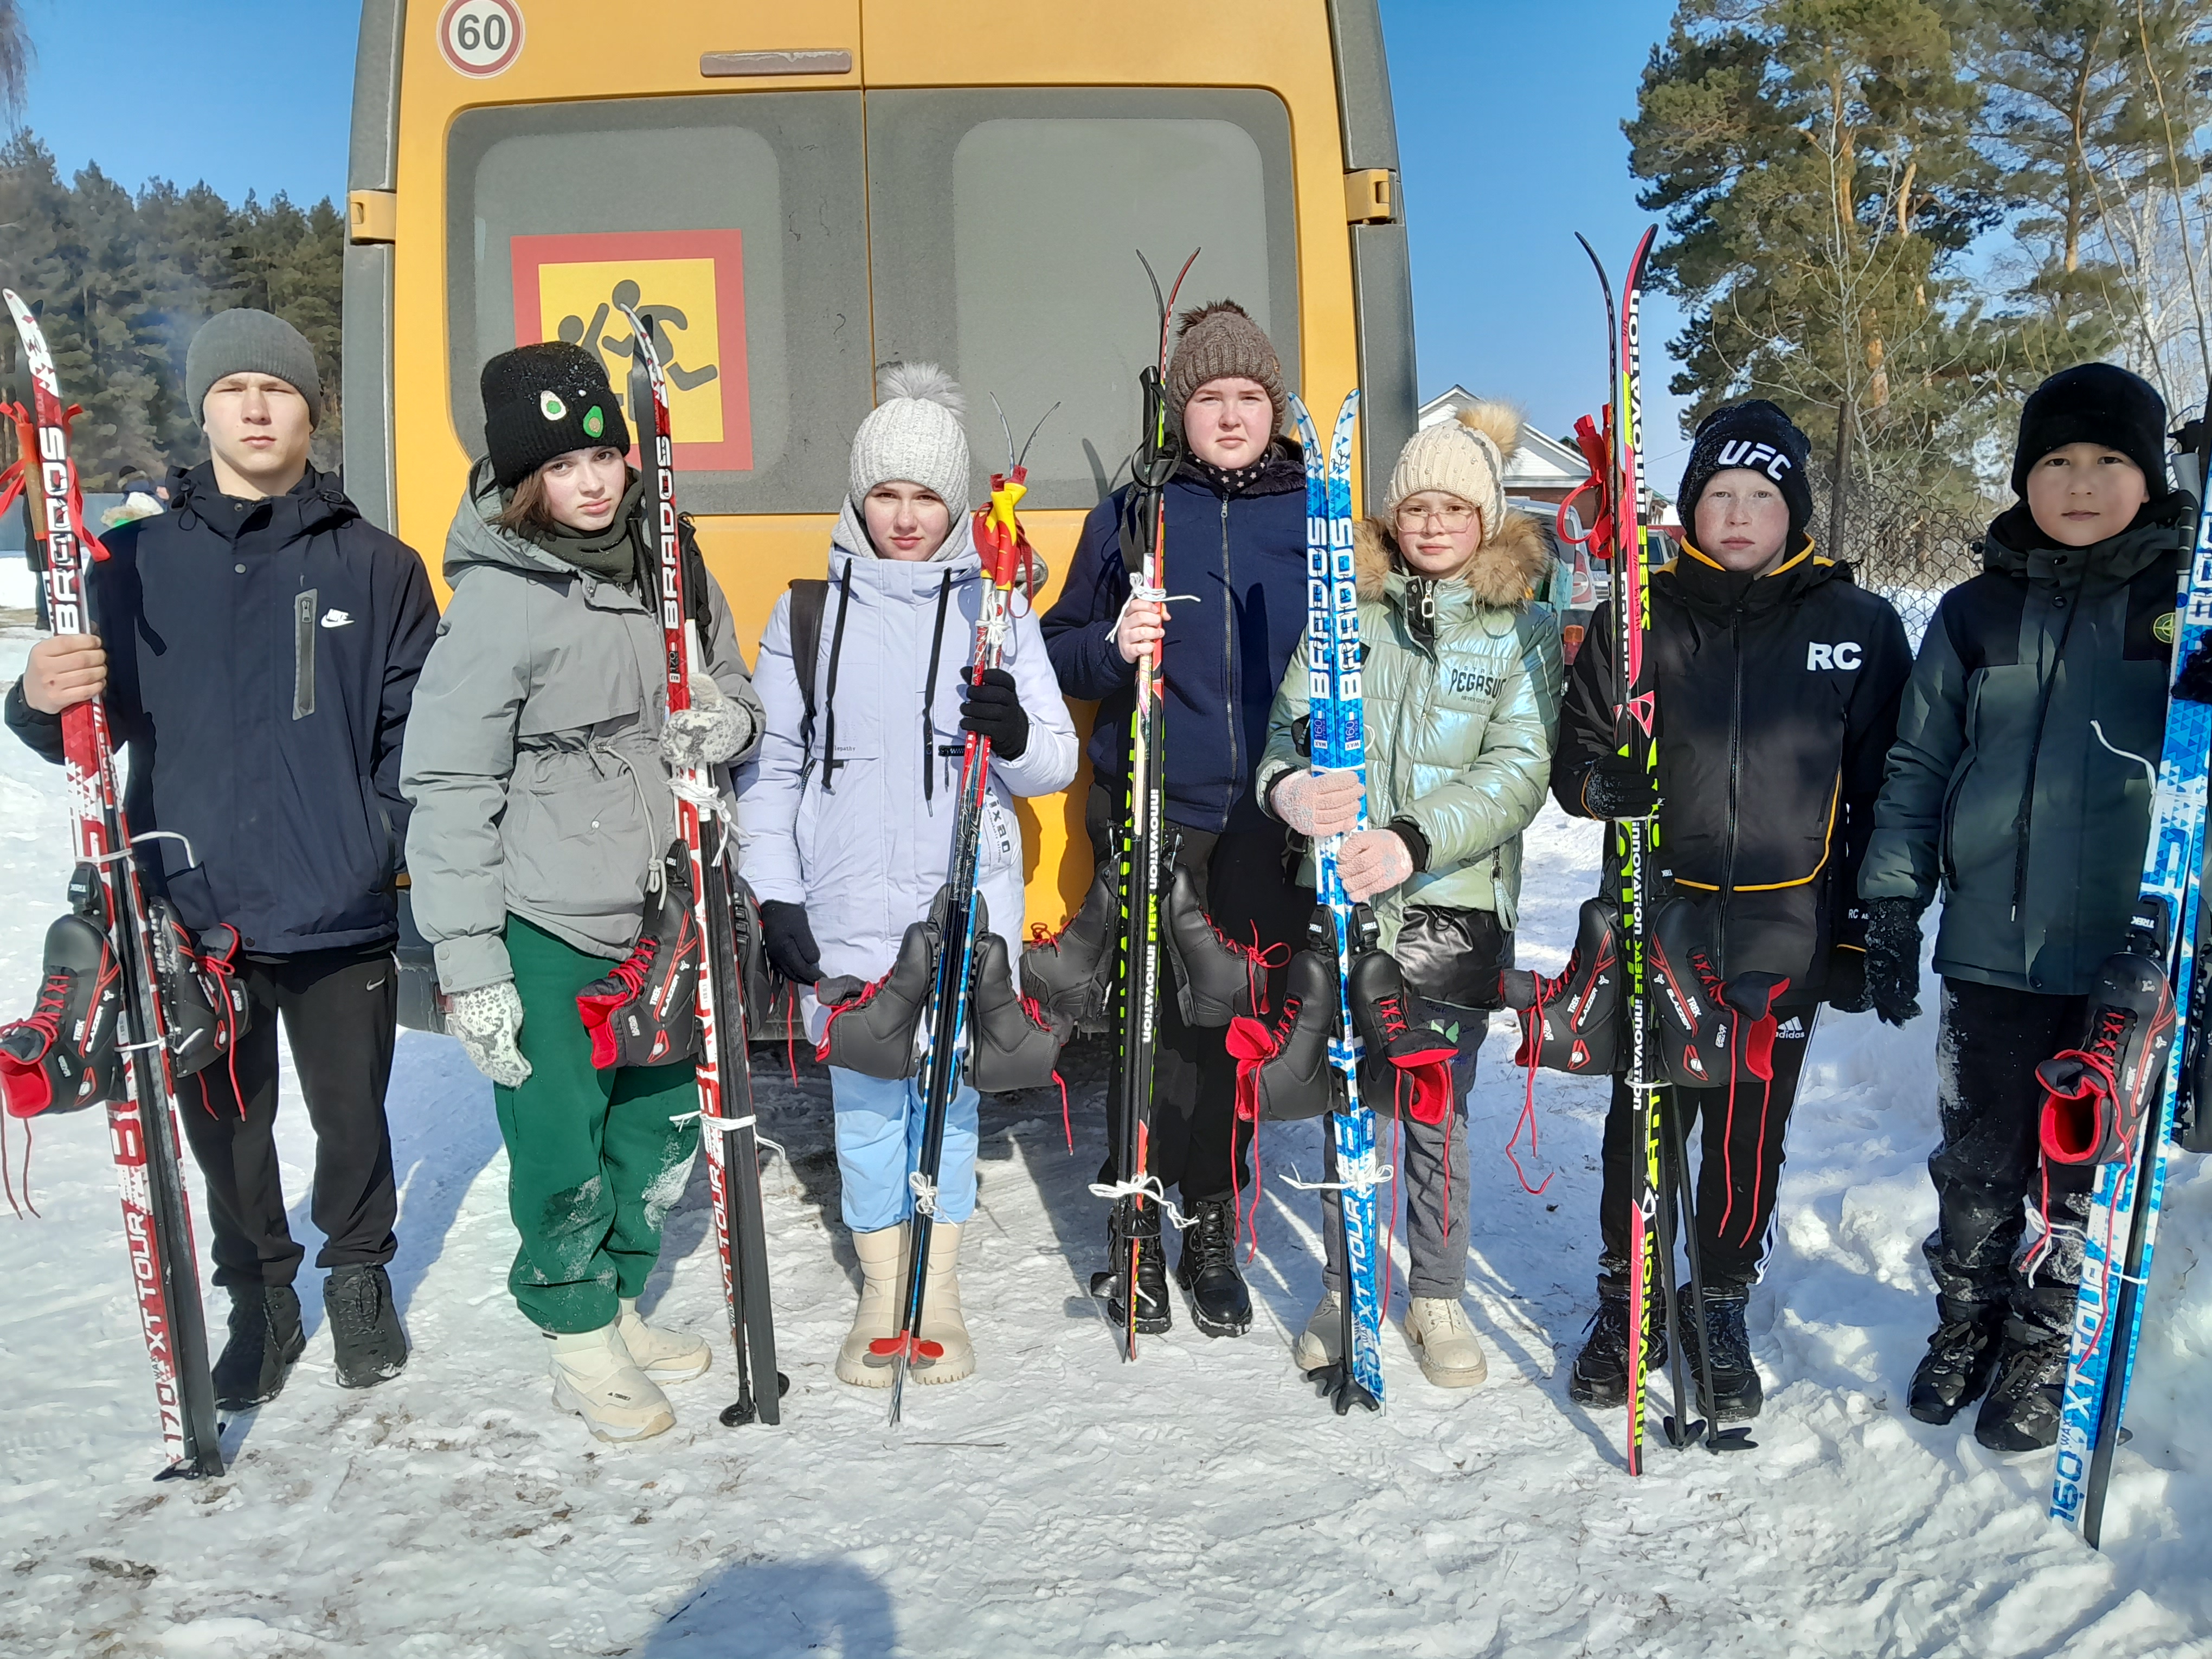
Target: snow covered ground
1201,1502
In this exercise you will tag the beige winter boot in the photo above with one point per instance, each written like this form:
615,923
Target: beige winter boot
940,1311
664,1356
1321,1342
883,1271
1451,1355
594,1376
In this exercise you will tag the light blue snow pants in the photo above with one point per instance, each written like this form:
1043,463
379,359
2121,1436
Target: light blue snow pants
879,1144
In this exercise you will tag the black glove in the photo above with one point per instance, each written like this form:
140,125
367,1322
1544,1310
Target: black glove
1847,986
1618,788
994,710
1892,959
788,938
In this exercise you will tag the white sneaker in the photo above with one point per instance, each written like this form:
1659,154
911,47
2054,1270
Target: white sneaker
664,1356
594,1376
1321,1342
1451,1355
941,1321
883,1269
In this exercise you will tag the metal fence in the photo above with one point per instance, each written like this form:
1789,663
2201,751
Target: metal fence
1902,547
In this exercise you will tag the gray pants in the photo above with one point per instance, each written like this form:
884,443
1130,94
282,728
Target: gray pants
1433,1173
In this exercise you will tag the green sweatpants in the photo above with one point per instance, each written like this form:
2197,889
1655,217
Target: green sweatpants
594,1162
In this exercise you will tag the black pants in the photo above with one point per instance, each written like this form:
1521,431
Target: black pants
1738,1168
1196,1143
1988,1167
340,1010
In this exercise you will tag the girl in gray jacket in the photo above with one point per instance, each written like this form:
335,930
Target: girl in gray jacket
848,818
537,760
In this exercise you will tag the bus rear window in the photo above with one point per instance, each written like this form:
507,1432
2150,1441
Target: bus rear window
737,224
1004,232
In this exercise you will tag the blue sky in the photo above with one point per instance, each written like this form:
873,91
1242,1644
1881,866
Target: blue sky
1509,124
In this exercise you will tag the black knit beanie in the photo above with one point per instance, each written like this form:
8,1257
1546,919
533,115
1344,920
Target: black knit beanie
544,400
2094,403
1757,436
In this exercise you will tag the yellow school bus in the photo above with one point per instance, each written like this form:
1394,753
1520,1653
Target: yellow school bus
799,192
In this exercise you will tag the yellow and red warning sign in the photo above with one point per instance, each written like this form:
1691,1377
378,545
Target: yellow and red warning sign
691,284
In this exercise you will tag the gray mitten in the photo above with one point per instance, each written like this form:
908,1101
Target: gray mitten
706,733
486,1020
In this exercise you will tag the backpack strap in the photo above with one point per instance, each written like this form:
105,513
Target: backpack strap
810,599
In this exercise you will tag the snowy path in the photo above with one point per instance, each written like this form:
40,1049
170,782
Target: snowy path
1201,1502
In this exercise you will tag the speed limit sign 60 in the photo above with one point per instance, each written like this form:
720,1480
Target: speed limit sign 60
481,38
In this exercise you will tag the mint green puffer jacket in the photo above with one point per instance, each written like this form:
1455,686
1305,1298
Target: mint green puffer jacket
1460,728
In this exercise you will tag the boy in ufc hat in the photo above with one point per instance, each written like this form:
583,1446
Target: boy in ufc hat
2002,791
269,637
1778,682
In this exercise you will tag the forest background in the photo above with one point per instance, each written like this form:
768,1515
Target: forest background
1892,216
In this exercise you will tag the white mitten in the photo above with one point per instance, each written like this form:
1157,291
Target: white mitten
486,1020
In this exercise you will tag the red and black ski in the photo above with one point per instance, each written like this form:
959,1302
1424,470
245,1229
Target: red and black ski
106,891
726,1113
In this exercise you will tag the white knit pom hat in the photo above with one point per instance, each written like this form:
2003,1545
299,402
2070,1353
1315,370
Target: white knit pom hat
1464,457
914,435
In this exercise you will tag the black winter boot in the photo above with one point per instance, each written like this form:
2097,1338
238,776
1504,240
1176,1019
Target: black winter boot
2021,1413
1154,1313
1219,1303
1736,1393
364,1326
1600,1374
265,1338
1961,1356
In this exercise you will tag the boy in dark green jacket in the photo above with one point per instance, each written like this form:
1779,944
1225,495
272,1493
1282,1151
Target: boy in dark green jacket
2020,784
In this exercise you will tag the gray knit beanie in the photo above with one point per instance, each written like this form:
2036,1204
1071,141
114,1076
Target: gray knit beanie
252,341
913,435
1217,342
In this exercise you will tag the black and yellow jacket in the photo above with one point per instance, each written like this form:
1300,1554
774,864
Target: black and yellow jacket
1776,700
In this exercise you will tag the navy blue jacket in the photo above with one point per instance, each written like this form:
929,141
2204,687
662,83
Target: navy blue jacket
1243,558
261,656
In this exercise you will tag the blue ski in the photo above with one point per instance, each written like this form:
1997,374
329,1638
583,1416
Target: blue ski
1339,735
2124,1204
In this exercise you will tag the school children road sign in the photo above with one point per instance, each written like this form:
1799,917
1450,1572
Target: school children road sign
691,284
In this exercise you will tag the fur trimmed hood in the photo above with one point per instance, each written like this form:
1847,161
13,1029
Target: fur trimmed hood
1506,571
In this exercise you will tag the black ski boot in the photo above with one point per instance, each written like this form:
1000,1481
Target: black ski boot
1069,971
265,1338
1961,1357
1283,1074
1154,1314
1219,1303
1407,1069
1570,1021
1599,1376
64,1057
364,1326
1013,1043
875,1029
1215,978
1736,1393
2021,1413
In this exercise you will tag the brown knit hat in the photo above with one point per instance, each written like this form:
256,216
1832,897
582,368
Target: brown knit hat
1217,342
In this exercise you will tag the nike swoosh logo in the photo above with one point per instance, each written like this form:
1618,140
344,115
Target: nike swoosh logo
336,618
373,983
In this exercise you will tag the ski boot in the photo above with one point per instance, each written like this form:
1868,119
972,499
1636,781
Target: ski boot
1961,1357
1217,980
364,1326
1599,1376
1284,1074
1068,971
1571,1021
1737,1397
2020,1412
1407,1068
203,1006
64,1057
2094,1096
1709,1031
1219,1303
875,1029
265,1340
1153,1312
1012,1045
645,1011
